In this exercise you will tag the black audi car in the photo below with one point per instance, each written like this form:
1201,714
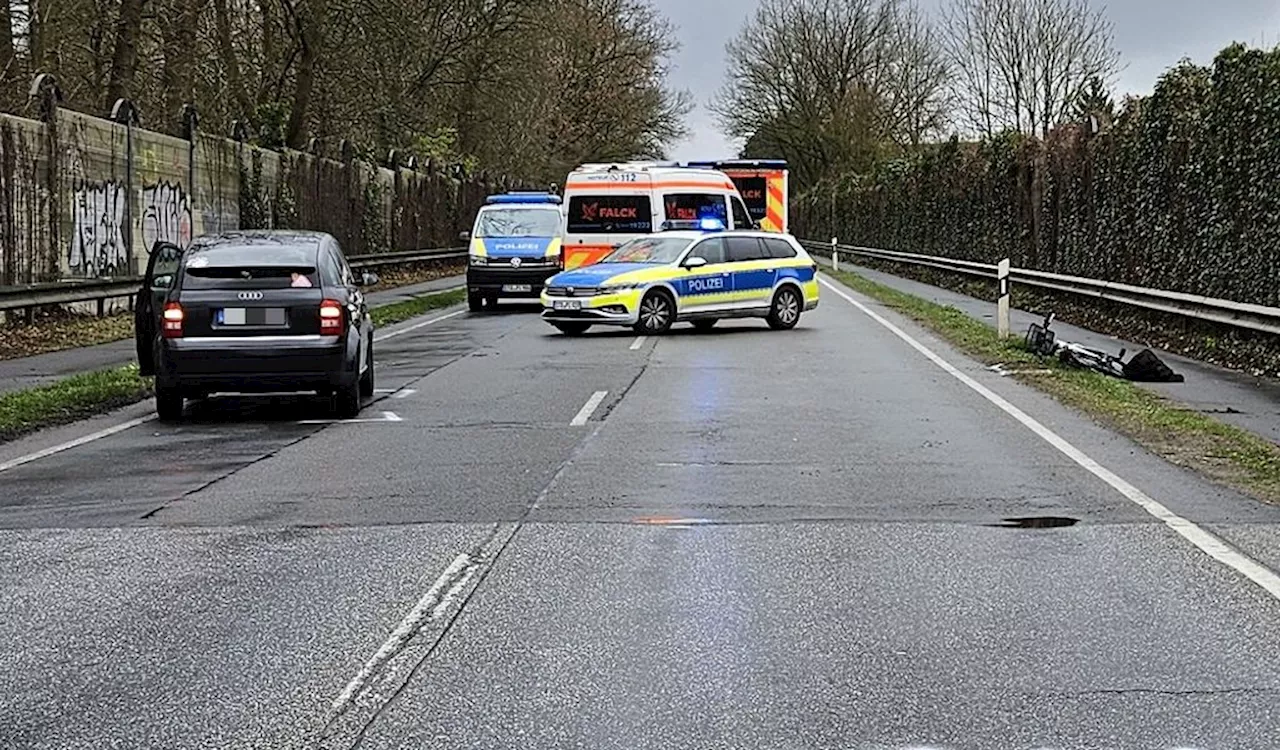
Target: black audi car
255,312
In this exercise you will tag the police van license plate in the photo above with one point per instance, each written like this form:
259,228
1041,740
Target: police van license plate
517,288
566,304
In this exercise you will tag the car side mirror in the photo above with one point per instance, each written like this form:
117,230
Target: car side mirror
694,262
464,236
368,278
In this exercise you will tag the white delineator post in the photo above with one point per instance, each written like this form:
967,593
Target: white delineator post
835,254
1002,304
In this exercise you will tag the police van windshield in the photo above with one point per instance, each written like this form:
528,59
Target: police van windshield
648,250
518,222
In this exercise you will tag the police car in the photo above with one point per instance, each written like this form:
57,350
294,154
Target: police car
697,275
515,245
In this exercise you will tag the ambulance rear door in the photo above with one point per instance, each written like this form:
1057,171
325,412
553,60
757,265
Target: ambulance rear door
602,211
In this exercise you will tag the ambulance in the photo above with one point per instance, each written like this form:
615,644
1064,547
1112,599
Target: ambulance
606,205
763,186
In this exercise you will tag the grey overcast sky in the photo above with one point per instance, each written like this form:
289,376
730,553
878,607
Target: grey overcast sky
1152,36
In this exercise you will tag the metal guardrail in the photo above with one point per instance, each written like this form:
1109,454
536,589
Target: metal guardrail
101,290
1212,309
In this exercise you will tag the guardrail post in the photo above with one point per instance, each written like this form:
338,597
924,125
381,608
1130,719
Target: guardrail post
835,255
1002,304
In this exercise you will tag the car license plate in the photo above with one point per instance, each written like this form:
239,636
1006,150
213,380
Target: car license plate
566,304
252,316
517,288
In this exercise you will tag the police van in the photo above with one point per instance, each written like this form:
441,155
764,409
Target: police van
763,186
607,205
515,246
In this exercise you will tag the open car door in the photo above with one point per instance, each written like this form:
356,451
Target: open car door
162,271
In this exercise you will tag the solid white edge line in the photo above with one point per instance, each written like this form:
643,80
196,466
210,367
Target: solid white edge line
639,342
416,326
75,443
588,409
1205,541
91,437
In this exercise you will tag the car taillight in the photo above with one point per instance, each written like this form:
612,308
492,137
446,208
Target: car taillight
331,320
171,321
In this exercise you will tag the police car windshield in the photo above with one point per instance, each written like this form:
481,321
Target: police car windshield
518,222
648,250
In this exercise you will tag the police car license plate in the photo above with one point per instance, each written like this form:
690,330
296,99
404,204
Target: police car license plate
517,288
566,304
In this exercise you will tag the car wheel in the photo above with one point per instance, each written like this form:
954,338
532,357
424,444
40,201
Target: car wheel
366,380
784,313
346,400
475,302
657,313
169,403
706,324
572,329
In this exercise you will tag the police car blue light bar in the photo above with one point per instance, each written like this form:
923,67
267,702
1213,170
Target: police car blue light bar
705,225
525,198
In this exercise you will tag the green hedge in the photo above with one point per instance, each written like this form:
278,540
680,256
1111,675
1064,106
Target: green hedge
1180,192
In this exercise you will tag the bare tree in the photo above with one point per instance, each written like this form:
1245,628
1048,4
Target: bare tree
1023,64
828,84
124,60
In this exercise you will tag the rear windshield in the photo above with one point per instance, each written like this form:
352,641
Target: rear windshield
752,190
604,214
694,207
252,267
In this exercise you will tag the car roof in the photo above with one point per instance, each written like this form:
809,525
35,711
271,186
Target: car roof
257,237
694,234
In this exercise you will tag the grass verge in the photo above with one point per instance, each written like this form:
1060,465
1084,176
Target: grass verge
72,398
84,395
1222,452
397,312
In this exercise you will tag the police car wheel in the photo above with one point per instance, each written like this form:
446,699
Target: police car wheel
474,301
657,312
785,311
573,329
706,324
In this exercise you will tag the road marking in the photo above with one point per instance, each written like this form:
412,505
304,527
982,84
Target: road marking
416,326
74,443
639,342
406,393
387,416
429,607
1206,542
588,408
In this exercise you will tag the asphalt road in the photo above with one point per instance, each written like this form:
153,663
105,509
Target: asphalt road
734,539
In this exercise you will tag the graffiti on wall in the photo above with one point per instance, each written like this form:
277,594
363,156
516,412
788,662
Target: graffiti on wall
166,215
97,240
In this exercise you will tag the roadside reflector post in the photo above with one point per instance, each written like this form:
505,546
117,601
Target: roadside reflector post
1002,304
835,254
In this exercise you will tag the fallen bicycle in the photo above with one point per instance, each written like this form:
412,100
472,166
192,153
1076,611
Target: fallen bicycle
1144,366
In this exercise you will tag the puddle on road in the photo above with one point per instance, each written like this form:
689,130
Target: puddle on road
1036,522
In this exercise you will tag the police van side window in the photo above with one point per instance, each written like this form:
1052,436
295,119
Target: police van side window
745,248
712,251
741,217
780,249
